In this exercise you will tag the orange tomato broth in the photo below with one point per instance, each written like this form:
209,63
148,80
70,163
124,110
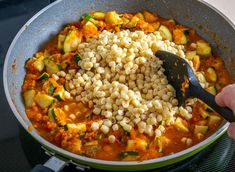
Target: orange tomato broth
69,140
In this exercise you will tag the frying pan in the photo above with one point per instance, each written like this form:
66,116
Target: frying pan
208,22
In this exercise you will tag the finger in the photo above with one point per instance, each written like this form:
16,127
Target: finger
226,97
219,99
231,130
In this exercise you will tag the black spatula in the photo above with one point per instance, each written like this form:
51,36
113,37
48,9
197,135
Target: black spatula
177,71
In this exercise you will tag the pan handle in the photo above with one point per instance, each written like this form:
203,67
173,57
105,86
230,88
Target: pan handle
41,168
54,164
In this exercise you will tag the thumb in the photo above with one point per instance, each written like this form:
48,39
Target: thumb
219,99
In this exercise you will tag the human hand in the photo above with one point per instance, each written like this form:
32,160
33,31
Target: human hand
226,98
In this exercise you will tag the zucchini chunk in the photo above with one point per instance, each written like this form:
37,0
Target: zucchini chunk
72,39
162,141
43,76
200,136
90,18
52,115
61,39
38,64
66,85
133,22
200,129
140,16
56,115
211,90
137,144
51,66
203,48
29,97
211,75
201,77
149,17
91,143
98,15
203,113
49,86
79,127
213,120
43,100
165,32
89,29
59,93
128,153
179,37
196,62
51,89
190,55
180,125
113,18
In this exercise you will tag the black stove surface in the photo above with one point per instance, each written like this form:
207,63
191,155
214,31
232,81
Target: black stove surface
19,152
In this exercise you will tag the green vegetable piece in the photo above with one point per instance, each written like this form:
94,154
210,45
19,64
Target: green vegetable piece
29,97
179,36
186,32
43,100
88,116
99,15
66,86
165,32
82,135
213,120
203,48
99,136
72,39
211,74
190,55
51,89
59,93
52,115
65,127
180,125
200,129
212,90
128,153
203,113
133,22
61,39
43,76
113,18
51,66
88,17
38,64
76,58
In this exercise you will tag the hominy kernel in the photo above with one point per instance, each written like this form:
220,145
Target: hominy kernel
55,77
72,116
111,138
115,127
104,129
95,126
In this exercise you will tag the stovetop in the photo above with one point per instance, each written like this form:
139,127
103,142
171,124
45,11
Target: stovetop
19,152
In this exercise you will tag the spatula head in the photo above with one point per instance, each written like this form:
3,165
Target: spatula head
177,71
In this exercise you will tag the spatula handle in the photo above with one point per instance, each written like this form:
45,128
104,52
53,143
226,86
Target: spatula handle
209,99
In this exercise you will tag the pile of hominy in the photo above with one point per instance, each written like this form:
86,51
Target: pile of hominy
122,80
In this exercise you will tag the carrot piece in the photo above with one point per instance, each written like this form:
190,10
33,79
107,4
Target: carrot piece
133,134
